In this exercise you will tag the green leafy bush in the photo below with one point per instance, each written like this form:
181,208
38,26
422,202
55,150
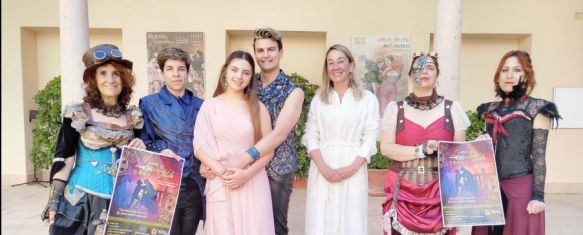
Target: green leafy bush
302,151
477,126
48,123
378,160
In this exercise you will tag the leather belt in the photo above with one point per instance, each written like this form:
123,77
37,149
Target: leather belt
398,167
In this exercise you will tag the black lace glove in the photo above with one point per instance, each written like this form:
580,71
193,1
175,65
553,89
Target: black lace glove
57,189
539,166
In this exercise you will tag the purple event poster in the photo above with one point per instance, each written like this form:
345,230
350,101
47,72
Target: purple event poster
468,179
145,193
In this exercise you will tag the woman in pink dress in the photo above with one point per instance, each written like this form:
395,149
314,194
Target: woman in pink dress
410,130
238,197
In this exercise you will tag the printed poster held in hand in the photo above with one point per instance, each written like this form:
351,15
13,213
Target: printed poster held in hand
468,179
145,193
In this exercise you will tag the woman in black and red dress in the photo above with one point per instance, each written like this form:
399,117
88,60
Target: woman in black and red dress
519,126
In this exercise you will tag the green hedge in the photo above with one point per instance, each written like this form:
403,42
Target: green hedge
309,92
47,125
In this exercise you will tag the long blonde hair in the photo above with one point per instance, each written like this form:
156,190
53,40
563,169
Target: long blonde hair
327,84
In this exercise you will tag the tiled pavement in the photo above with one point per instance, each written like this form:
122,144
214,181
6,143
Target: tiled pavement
21,206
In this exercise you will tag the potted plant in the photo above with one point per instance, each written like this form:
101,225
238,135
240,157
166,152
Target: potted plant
377,170
48,123
303,158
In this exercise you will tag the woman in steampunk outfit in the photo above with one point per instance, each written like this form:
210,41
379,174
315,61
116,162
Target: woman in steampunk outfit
410,131
89,143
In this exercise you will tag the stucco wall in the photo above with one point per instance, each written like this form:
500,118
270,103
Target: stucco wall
545,28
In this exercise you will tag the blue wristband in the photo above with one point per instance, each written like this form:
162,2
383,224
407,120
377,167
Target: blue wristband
254,153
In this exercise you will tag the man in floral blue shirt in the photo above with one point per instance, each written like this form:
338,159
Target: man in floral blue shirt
284,101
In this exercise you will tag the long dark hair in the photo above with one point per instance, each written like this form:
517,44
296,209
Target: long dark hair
250,90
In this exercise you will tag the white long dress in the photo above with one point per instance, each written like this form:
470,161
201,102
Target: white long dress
342,131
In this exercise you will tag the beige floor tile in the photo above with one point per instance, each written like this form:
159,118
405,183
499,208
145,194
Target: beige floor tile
21,207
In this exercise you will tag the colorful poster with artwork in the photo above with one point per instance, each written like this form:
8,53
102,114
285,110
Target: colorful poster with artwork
193,43
145,193
382,63
470,192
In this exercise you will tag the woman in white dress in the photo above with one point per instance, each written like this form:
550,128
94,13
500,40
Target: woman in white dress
341,134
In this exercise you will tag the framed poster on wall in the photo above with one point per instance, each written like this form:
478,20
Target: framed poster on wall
382,62
193,43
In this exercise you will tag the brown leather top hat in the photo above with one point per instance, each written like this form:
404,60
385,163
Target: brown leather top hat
99,54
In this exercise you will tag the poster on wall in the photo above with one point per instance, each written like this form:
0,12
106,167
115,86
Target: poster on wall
144,194
193,43
468,179
381,65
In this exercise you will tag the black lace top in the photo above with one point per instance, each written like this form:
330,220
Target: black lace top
520,149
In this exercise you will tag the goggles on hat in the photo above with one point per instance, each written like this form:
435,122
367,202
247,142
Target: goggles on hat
102,55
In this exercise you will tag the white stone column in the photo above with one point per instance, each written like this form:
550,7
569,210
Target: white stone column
447,42
74,40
